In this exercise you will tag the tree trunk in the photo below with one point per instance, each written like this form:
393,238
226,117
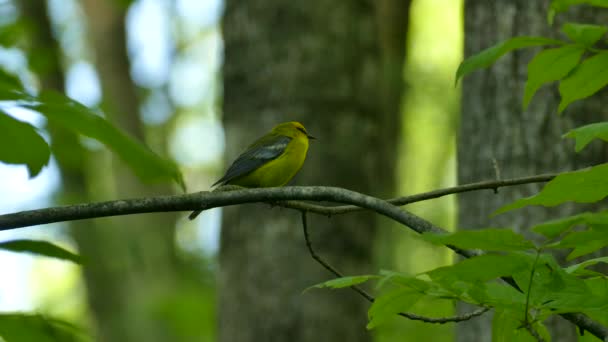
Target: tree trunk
132,276
494,127
319,63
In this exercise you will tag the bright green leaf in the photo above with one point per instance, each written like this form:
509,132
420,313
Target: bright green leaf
339,283
577,268
388,305
585,134
42,248
554,288
598,287
9,80
72,115
26,327
550,65
20,143
583,242
583,186
507,327
403,280
584,34
501,295
554,228
587,79
481,268
491,239
558,6
487,57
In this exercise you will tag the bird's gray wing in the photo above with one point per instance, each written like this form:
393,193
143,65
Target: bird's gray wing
257,154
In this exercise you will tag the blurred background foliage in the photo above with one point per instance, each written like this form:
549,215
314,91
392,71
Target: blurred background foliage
152,67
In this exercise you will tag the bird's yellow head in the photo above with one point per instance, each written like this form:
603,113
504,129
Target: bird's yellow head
292,129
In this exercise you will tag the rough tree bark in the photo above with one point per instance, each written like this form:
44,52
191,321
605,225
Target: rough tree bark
494,126
318,62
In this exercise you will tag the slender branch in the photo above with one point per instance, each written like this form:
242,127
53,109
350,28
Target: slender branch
326,265
371,299
404,200
532,271
207,200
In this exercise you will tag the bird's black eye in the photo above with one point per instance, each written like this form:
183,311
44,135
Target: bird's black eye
301,129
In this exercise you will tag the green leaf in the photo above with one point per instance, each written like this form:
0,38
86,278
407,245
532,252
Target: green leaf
147,165
585,134
550,65
577,268
558,6
481,268
42,248
555,289
584,34
584,242
587,79
26,327
339,283
20,143
9,80
487,57
583,186
507,327
598,287
388,305
429,288
554,228
491,239
499,295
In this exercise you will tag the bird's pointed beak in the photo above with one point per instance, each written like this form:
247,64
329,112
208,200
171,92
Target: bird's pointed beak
310,137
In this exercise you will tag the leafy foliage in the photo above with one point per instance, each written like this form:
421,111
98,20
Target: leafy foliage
582,186
550,65
578,80
544,288
487,57
495,239
39,328
590,76
558,6
42,248
585,134
63,111
339,283
20,143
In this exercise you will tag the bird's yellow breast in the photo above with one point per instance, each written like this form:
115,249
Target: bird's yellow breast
279,171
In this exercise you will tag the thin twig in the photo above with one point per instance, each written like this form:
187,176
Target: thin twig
496,172
532,271
371,299
327,266
425,196
527,323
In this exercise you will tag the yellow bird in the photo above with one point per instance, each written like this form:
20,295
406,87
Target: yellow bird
272,160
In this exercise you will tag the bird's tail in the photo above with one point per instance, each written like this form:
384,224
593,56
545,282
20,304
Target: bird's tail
194,214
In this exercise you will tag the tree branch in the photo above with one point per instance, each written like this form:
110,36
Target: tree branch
371,299
404,200
208,200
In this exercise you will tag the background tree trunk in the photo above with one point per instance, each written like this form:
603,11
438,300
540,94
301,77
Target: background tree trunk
494,126
319,63
133,275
